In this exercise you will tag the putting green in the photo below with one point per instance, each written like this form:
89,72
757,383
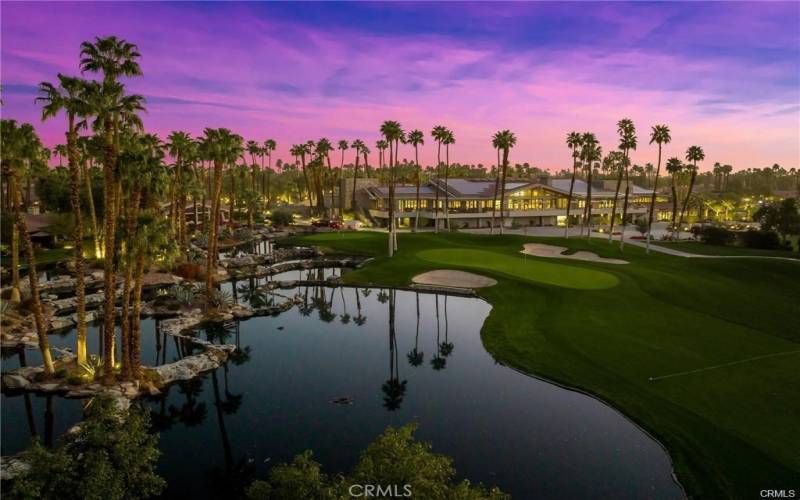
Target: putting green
520,268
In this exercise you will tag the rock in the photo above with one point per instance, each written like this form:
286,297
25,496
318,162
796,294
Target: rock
13,467
49,387
15,382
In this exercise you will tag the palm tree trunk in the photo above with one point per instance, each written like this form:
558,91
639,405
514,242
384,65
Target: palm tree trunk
436,203
33,278
653,202
503,191
446,190
213,230
109,255
589,204
15,279
355,176
569,197
688,194
496,187
90,197
75,202
127,287
674,202
391,200
135,349
625,208
416,163
616,196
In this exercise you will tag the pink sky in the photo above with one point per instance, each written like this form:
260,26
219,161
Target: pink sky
723,76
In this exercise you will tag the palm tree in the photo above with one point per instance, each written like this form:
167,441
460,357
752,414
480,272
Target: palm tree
627,142
591,152
341,146
417,138
358,146
20,143
693,154
223,147
660,135
178,145
415,356
447,140
505,140
85,146
69,96
393,134
269,147
438,133
114,58
574,141
674,168
496,146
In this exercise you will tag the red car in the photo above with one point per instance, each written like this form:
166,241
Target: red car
333,224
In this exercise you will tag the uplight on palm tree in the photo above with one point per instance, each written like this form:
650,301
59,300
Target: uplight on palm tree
659,134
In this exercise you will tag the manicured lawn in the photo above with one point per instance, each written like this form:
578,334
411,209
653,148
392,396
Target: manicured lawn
608,329
704,249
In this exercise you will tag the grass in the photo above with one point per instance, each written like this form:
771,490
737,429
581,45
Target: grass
48,256
705,249
728,429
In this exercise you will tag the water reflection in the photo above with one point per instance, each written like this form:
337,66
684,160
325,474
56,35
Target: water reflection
317,377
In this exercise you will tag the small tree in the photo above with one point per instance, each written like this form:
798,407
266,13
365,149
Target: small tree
112,456
281,218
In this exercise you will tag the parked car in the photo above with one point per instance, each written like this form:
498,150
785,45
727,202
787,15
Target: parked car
333,224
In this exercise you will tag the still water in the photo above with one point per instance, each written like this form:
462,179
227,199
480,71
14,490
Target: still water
400,357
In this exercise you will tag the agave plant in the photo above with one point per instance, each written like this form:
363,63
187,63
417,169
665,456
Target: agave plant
220,298
92,366
183,294
202,241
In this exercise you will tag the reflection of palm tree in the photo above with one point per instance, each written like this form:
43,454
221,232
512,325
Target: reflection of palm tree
393,389
383,296
366,291
49,421
359,319
415,356
344,318
254,297
192,413
161,420
438,362
446,347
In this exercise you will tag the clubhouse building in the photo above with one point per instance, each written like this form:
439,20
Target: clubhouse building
542,202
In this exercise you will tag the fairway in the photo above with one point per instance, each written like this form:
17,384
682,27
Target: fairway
711,326
530,269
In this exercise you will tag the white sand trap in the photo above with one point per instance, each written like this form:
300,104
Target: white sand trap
552,251
458,279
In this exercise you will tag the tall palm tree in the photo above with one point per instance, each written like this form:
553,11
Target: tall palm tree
69,96
674,168
574,142
114,58
591,152
323,151
269,147
497,148
416,138
505,140
178,146
438,133
659,134
448,139
86,147
366,152
20,144
693,154
341,146
224,148
393,134
627,142
358,146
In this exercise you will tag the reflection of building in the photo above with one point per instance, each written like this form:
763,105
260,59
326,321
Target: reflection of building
528,203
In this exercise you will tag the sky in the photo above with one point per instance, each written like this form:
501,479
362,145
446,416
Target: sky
725,76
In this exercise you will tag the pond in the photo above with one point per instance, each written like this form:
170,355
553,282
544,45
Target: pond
399,357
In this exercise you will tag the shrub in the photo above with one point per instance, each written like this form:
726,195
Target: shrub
281,218
754,238
111,455
716,235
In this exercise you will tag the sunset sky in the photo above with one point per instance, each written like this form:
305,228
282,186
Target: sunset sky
725,76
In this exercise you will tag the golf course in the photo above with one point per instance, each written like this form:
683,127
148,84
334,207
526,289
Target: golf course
701,353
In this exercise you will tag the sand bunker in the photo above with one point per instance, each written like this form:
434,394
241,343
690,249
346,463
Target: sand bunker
552,251
458,279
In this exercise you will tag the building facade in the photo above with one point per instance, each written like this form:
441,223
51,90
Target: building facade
527,203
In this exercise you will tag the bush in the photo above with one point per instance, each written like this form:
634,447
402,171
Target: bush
754,238
281,218
112,455
716,235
